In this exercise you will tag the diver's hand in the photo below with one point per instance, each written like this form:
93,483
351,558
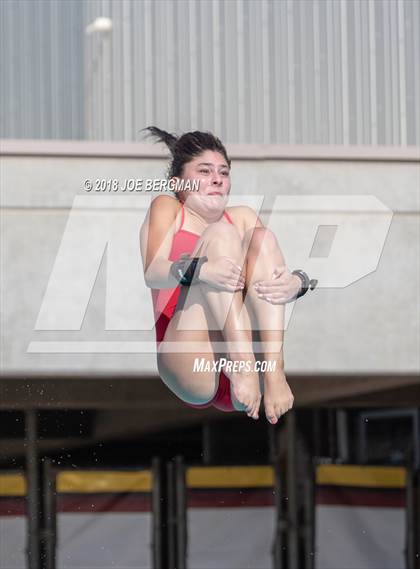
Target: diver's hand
282,288
222,273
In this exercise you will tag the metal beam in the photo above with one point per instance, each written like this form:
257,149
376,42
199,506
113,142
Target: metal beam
50,514
32,499
292,493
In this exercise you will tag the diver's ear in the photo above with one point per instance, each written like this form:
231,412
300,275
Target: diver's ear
174,182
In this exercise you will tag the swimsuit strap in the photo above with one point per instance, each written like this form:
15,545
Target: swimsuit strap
228,217
182,217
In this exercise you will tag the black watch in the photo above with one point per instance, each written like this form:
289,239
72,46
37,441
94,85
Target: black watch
307,283
187,269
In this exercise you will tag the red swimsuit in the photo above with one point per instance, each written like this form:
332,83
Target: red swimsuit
164,305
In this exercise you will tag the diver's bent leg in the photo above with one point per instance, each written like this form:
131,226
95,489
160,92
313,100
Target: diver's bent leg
187,377
226,308
184,371
263,255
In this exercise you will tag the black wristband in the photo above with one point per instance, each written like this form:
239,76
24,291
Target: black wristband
186,270
307,283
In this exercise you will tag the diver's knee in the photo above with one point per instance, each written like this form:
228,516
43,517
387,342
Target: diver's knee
259,239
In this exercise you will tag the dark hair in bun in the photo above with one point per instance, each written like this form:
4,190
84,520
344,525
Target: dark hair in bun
186,147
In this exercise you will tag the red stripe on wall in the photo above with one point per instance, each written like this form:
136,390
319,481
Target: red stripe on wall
230,498
88,503
84,503
12,507
339,496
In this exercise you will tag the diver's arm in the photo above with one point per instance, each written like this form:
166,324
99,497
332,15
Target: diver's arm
156,235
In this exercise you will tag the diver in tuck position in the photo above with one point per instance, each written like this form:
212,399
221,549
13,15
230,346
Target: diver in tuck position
219,268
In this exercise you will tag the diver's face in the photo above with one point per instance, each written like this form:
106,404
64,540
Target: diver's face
213,174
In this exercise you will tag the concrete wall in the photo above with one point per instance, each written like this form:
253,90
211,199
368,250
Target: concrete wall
367,326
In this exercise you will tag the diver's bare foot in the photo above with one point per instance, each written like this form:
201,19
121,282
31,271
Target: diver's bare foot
278,397
246,391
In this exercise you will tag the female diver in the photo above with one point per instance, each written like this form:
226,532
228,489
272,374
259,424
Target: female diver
216,274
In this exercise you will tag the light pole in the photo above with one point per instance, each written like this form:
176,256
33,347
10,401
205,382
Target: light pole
102,28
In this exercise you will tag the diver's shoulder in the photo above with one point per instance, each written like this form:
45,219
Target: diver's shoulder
164,209
166,202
